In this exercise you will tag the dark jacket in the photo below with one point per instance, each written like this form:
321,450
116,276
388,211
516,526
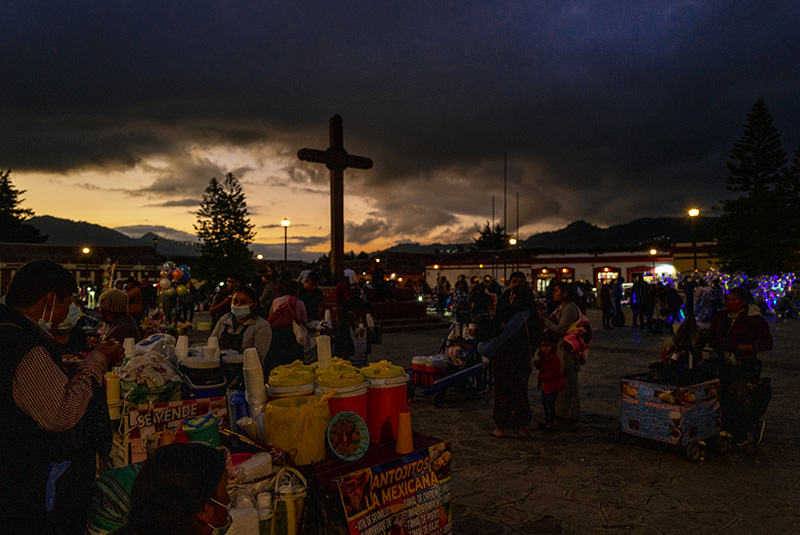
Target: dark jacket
727,336
26,450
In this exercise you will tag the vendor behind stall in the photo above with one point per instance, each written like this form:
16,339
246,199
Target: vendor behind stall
119,325
40,405
244,327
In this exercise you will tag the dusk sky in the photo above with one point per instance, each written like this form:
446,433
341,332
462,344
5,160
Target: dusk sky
119,113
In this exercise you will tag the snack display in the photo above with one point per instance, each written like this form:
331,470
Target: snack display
347,435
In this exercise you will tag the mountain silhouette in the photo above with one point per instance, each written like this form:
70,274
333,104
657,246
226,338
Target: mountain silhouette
68,232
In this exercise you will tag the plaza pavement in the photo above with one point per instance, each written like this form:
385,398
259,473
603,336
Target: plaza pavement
581,479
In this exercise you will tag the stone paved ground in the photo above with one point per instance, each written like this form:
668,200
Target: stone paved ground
580,479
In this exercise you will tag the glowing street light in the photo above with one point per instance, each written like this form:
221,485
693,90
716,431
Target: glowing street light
260,256
693,213
86,252
512,242
285,224
653,254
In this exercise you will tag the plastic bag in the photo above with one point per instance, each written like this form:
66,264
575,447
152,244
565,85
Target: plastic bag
141,394
297,425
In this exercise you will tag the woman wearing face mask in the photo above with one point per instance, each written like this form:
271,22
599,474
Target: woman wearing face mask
244,327
739,333
180,490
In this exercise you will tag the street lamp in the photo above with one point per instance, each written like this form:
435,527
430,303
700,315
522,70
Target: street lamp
86,252
155,256
653,253
285,224
693,213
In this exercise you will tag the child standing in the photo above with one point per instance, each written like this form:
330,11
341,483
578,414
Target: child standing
551,380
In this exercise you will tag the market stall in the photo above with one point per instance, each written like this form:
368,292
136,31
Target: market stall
351,423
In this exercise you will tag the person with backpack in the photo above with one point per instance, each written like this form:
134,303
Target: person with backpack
568,407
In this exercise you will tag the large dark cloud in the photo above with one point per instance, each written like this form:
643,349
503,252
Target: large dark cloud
608,110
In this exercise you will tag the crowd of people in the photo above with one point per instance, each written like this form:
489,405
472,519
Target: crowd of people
57,422
522,331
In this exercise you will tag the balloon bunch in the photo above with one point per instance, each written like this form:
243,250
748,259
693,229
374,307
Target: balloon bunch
173,279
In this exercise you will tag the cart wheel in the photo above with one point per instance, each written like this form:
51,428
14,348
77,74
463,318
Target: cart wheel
438,399
693,452
722,444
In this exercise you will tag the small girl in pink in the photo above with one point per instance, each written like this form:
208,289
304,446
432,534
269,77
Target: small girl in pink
551,380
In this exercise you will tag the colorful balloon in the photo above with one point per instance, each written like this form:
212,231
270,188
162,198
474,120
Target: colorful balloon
169,291
181,289
177,274
165,283
165,273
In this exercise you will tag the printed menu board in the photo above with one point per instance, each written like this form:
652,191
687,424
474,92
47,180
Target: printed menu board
406,496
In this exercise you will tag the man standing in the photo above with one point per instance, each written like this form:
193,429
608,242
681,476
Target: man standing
40,405
221,304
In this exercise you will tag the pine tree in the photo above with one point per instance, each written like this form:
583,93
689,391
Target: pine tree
225,231
13,228
492,239
752,232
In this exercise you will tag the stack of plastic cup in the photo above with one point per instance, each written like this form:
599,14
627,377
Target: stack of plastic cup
404,443
255,386
324,351
182,347
212,349
255,390
129,345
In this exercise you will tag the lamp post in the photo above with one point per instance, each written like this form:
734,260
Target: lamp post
155,256
693,213
285,224
86,252
653,253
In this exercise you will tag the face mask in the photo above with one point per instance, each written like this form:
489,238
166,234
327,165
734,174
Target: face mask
71,319
222,529
240,311
47,325
735,306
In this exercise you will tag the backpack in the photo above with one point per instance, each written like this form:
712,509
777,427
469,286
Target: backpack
579,337
283,315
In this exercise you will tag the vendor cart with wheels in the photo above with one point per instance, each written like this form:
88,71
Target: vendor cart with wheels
457,367
686,417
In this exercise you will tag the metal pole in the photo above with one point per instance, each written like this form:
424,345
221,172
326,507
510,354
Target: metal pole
694,245
285,246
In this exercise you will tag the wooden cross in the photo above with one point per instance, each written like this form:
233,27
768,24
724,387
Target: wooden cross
337,160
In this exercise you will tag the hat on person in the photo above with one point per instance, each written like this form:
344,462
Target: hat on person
114,300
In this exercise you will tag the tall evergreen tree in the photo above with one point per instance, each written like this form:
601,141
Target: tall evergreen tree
752,233
13,228
225,231
492,238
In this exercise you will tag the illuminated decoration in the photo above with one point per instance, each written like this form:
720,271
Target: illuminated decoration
436,266
544,271
564,270
605,270
480,266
